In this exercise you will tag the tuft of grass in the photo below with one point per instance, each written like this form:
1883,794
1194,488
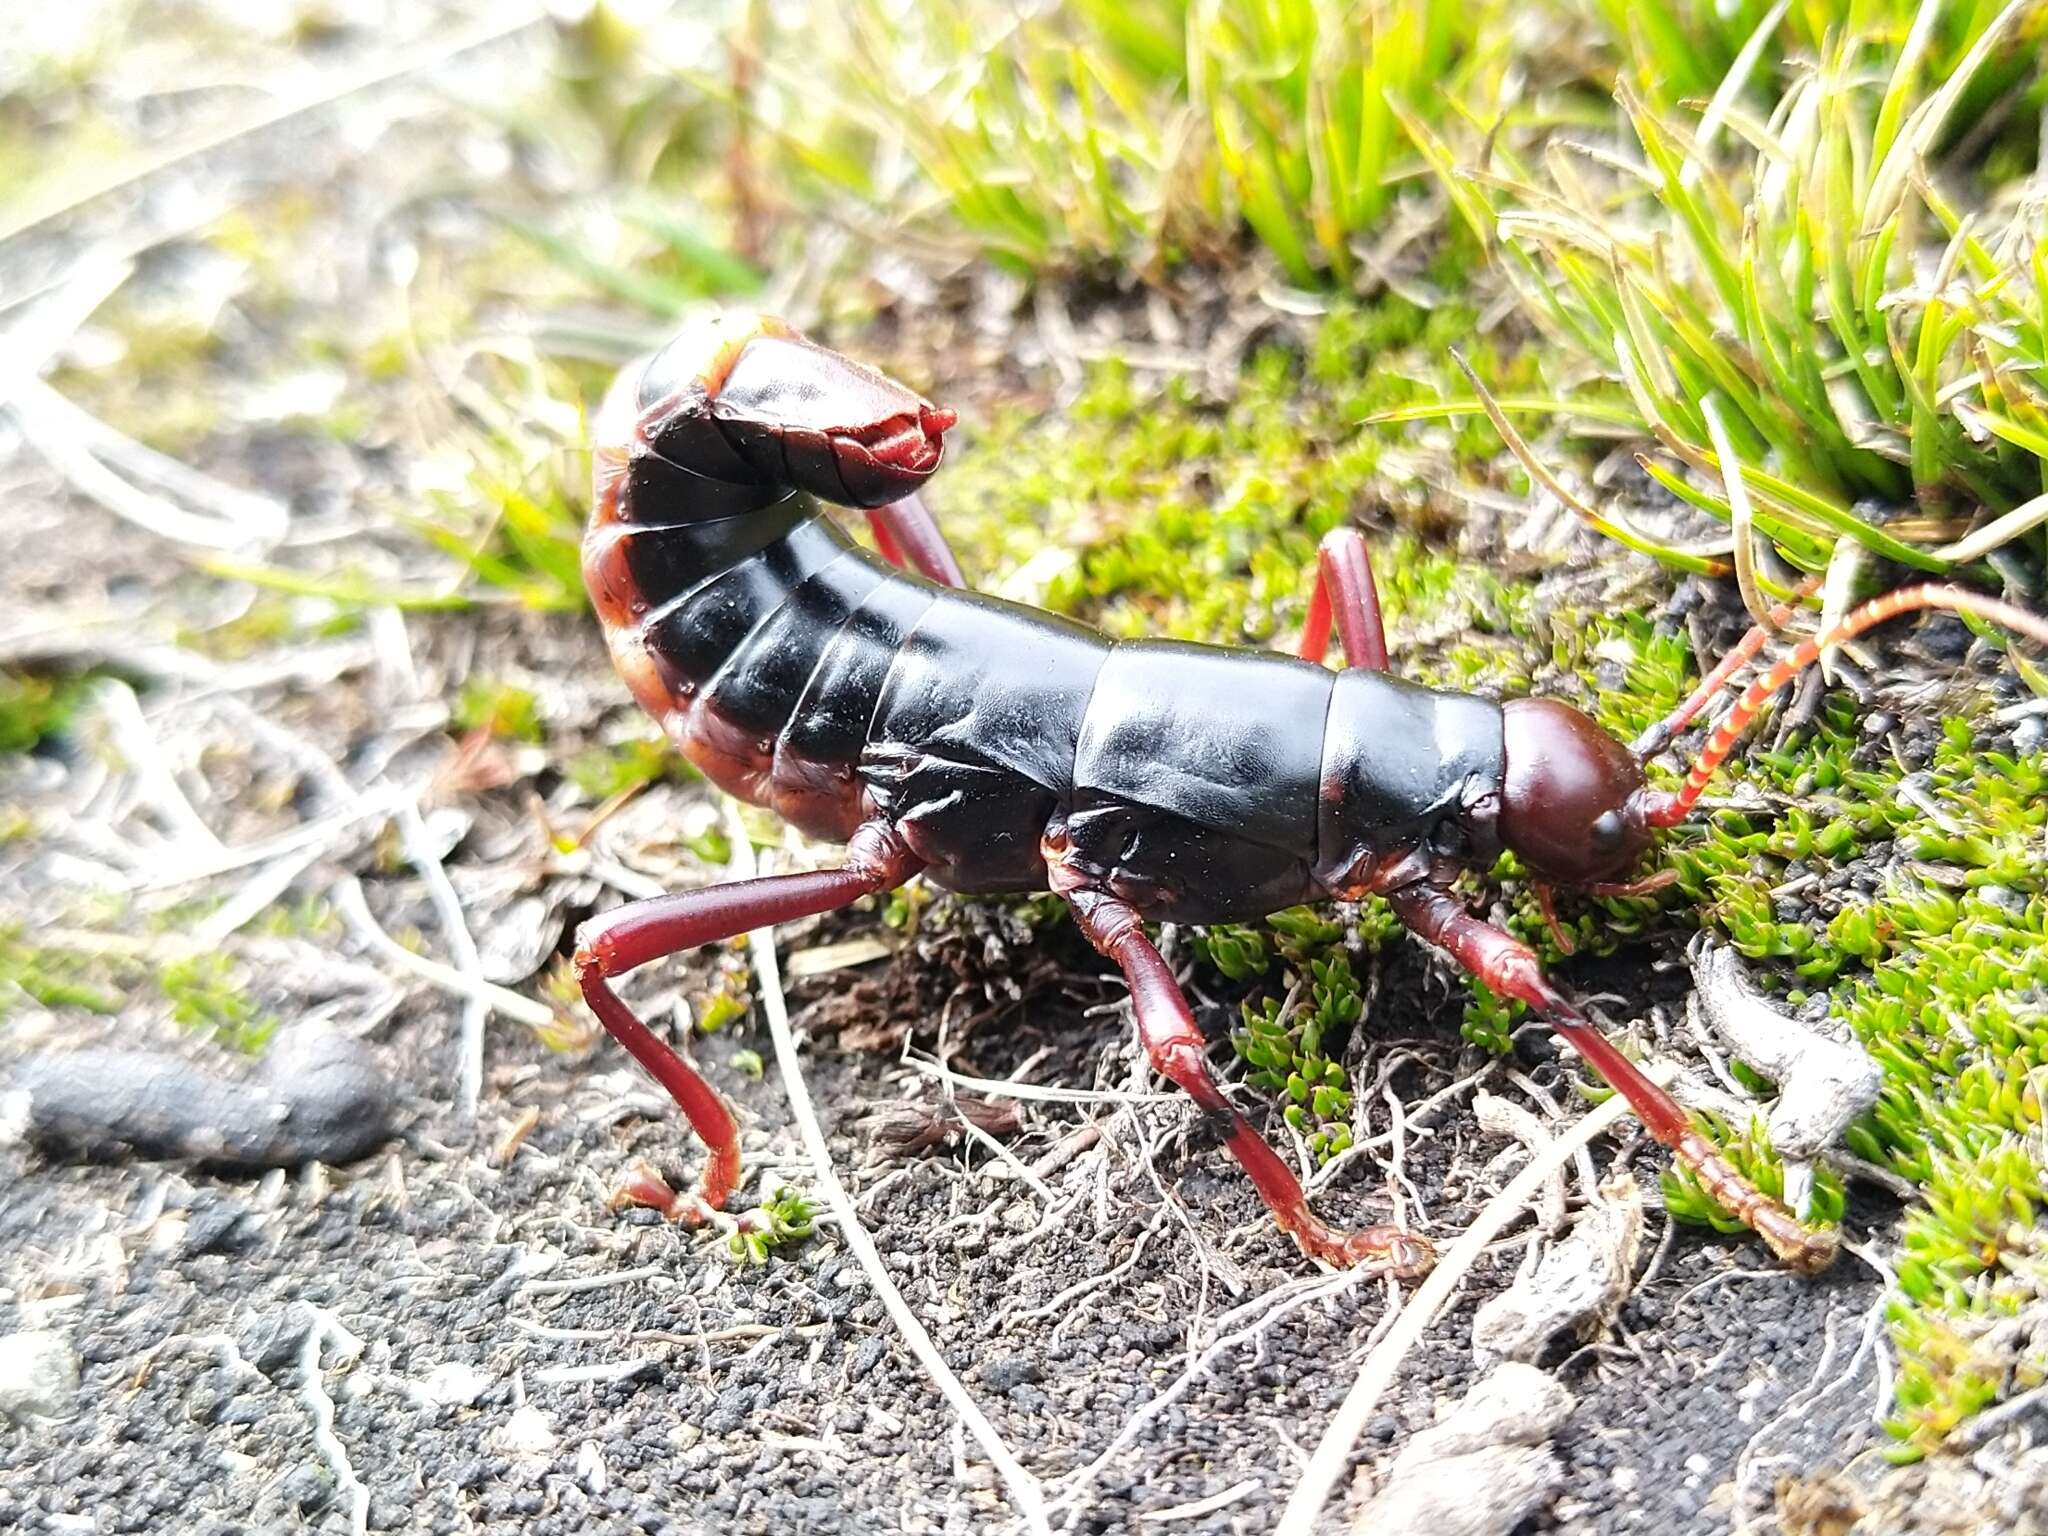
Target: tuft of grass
1135,132
1825,349
1681,50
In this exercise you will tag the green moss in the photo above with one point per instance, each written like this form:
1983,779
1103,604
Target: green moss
51,978
604,772
498,709
205,993
34,708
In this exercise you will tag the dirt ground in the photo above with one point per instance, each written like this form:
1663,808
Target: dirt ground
500,1352
455,1334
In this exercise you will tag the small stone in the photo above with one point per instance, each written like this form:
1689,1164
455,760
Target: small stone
309,1489
38,1376
272,1343
1012,1371
590,1469
217,1226
454,1385
526,1433
320,1098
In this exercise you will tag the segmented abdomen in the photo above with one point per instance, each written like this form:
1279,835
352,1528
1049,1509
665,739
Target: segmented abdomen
760,643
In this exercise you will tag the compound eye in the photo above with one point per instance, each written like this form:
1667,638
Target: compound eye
1449,840
1609,832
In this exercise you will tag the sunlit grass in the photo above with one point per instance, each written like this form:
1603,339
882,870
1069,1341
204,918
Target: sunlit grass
1800,291
1142,133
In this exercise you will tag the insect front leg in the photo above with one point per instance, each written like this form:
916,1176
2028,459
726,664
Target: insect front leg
1176,1049
1346,591
642,931
1511,968
910,539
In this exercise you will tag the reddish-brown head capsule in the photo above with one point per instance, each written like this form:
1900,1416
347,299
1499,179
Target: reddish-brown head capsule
1572,803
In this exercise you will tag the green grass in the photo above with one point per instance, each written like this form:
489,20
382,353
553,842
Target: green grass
1124,133
1787,295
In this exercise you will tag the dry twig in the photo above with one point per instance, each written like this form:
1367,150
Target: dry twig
1326,1463
1024,1489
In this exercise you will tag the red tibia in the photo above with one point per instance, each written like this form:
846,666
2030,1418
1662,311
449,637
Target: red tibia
1669,810
1177,1051
1511,969
648,930
908,537
1345,590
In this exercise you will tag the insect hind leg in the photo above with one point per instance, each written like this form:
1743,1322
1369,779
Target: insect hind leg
1177,1051
910,539
1345,591
643,931
1511,968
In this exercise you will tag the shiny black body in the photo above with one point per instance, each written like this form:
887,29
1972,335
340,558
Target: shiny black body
1013,749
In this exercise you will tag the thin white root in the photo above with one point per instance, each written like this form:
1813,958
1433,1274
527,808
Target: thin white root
355,913
419,848
1024,1490
320,1407
1326,1463
1504,1117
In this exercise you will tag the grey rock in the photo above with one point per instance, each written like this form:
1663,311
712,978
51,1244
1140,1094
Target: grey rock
1483,1470
38,1376
320,1098
1579,1284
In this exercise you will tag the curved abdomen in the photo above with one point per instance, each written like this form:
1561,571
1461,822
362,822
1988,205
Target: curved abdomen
802,673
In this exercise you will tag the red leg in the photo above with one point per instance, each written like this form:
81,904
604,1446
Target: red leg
642,931
1344,586
1511,969
909,538
1177,1051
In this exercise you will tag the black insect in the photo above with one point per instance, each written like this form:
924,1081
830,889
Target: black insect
873,700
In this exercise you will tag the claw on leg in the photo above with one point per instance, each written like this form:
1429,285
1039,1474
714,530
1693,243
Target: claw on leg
1175,1047
642,1185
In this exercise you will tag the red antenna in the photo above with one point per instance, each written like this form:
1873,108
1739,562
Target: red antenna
1746,650
1670,809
